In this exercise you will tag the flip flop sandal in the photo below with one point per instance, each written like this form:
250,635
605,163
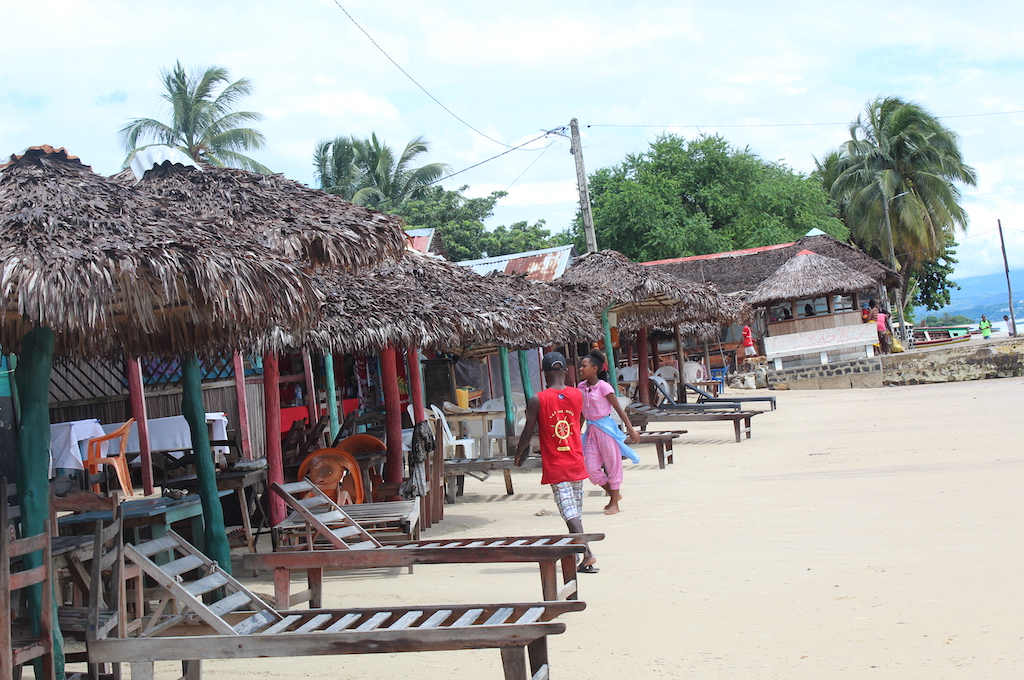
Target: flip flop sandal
589,569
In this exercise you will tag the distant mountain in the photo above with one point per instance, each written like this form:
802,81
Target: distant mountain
983,295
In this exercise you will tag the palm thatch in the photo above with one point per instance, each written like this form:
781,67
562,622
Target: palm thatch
568,311
743,270
635,290
809,275
110,270
425,301
301,223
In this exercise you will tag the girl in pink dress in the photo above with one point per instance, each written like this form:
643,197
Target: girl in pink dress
603,442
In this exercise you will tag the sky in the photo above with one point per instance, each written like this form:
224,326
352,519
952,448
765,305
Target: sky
784,79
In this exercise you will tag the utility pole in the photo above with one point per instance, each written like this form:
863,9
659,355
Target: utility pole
1006,267
581,183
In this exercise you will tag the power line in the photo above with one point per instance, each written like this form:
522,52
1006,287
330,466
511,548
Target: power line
488,160
774,125
550,144
414,81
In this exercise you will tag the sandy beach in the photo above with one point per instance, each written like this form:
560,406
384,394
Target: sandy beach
872,533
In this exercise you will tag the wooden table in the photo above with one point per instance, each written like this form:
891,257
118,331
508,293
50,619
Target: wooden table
480,416
232,480
156,513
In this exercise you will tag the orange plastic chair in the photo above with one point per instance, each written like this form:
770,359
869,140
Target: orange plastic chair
95,458
336,473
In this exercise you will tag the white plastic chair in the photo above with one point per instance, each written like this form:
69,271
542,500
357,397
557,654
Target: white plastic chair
629,373
694,372
450,443
670,374
497,431
623,402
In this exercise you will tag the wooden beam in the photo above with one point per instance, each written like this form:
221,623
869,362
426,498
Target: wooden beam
137,402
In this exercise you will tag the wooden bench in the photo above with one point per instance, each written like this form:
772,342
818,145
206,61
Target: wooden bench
456,469
204,613
662,441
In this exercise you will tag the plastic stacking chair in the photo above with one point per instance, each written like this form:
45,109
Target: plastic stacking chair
119,462
450,443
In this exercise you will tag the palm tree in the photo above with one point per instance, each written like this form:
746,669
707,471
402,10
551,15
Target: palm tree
898,175
203,122
367,171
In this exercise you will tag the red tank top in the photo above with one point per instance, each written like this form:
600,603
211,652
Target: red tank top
558,427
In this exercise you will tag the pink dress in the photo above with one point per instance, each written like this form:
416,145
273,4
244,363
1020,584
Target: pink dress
601,453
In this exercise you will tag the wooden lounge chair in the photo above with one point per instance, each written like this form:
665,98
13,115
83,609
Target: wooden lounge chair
334,541
641,416
204,613
703,397
667,403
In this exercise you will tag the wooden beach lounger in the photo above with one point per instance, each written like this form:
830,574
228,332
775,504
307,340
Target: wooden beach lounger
641,415
703,397
204,613
334,541
662,441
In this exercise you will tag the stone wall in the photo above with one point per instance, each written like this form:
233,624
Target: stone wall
968,361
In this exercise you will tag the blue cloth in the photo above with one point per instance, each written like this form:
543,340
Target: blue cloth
608,426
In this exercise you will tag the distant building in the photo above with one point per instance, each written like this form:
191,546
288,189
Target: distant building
538,265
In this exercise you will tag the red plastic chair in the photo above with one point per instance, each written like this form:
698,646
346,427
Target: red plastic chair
95,458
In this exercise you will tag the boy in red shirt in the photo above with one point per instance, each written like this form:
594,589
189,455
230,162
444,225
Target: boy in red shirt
558,411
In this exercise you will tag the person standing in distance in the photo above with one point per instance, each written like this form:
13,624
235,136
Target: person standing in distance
557,414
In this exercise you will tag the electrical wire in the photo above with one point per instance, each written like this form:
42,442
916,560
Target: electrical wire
550,144
415,82
488,160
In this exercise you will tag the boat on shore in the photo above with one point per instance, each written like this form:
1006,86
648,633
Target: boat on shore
934,336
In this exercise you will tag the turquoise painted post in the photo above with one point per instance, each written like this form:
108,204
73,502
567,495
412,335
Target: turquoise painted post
613,374
506,391
32,458
216,539
332,395
524,374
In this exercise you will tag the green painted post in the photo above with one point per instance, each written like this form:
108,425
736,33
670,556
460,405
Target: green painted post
506,391
32,460
216,540
609,351
332,395
524,374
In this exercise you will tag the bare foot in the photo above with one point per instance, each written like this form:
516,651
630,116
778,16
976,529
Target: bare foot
611,509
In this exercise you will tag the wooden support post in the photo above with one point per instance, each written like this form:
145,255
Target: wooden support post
137,402
272,406
644,375
216,539
613,370
312,396
419,409
680,360
524,374
243,406
332,394
393,415
655,354
506,393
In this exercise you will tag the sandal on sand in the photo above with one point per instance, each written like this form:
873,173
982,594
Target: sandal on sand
587,569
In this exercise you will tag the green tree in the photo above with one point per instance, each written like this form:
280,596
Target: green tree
203,121
930,286
702,196
520,237
368,172
459,219
900,160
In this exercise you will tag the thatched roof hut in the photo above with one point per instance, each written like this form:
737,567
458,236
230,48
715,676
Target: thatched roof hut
809,275
569,311
429,302
111,270
743,270
301,223
634,290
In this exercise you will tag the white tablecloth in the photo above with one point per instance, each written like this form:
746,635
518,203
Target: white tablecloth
172,434
67,439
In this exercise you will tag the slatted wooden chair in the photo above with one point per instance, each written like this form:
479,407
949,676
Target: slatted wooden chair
16,651
204,613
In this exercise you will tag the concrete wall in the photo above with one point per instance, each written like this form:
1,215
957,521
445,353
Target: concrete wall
969,361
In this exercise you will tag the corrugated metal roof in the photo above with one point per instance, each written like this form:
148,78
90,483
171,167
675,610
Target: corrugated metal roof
426,240
44,149
538,265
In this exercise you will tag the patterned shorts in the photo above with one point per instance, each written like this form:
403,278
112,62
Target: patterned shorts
569,499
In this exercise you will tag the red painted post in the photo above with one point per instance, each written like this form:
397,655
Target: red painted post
272,405
655,357
243,406
416,384
393,415
137,401
312,396
644,377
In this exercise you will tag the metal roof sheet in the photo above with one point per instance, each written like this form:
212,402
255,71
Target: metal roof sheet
538,265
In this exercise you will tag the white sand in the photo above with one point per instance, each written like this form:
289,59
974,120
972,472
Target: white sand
859,534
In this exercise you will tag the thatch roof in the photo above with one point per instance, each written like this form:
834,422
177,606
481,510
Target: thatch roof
432,303
809,275
634,290
743,270
568,311
111,271
301,223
